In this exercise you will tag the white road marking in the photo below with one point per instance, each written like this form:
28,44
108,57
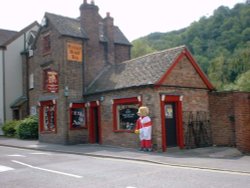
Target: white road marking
47,170
37,153
5,168
16,155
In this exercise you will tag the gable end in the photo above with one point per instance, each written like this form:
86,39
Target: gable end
186,54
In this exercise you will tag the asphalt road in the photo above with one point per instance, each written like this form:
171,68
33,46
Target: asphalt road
22,168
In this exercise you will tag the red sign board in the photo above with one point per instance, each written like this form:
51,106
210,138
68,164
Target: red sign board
52,81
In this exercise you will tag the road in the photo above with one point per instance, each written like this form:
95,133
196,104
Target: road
22,168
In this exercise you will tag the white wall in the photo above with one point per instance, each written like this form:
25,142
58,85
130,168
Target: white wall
13,72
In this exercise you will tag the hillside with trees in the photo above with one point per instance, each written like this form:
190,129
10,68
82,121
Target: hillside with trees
220,44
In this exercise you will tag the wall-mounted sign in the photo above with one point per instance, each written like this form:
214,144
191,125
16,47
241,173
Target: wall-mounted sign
169,113
33,110
74,52
51,81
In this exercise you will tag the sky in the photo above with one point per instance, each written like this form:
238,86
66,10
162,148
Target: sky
135,18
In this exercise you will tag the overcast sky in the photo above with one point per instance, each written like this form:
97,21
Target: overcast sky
136,18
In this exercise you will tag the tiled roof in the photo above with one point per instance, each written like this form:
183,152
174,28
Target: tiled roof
66,26
18,102
119,37
72,27
6,35
141,71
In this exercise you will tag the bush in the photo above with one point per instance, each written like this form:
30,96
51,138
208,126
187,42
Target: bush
10,128
28,128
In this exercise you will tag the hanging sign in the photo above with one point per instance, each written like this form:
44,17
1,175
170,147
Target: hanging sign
52,81
74,52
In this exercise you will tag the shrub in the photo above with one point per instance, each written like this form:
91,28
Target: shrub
10,128
28,128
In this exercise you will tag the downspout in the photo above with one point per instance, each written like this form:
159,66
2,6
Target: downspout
84,87
4,95
27,82
27,75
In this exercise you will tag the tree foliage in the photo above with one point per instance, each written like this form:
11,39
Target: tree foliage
220,44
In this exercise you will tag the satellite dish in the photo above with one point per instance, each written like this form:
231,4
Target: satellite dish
44,22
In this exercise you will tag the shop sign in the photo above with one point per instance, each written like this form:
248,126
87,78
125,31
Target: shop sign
74,52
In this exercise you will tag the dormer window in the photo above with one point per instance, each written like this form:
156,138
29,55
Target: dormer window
46,43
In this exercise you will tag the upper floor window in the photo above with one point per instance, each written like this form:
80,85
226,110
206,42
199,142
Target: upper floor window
46,44
31,81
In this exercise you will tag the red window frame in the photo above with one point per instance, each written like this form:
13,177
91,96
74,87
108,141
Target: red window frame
124,101
77,106
43,106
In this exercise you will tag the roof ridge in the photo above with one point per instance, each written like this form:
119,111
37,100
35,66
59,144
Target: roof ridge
154,53
53,14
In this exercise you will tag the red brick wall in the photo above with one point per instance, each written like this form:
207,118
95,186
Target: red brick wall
242,121
194,99
221,111
122,53
185,75
230,119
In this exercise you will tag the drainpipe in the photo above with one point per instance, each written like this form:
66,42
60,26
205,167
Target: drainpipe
4,96
27,82
27,76
84,66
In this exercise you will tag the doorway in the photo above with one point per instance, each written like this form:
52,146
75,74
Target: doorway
171,121
170,124
95,127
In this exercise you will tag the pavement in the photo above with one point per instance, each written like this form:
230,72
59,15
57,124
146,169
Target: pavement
211,158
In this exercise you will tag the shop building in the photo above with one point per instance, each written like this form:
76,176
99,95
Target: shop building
86,89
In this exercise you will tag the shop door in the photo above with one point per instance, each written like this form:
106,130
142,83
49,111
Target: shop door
170,124
94,125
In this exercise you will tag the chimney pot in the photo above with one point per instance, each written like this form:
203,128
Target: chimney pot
85,1
108,14
92,2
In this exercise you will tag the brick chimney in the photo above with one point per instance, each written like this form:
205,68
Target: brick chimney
109,33
93,53
90,19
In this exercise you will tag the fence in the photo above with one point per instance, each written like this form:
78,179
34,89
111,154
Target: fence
197,129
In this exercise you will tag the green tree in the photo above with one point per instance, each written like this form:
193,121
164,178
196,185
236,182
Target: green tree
140,48
243,82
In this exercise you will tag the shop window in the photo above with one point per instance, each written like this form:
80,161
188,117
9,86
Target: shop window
125,114
78,116
48,116
46,44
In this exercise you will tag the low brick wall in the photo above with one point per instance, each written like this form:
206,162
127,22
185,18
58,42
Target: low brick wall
242,121
230,119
